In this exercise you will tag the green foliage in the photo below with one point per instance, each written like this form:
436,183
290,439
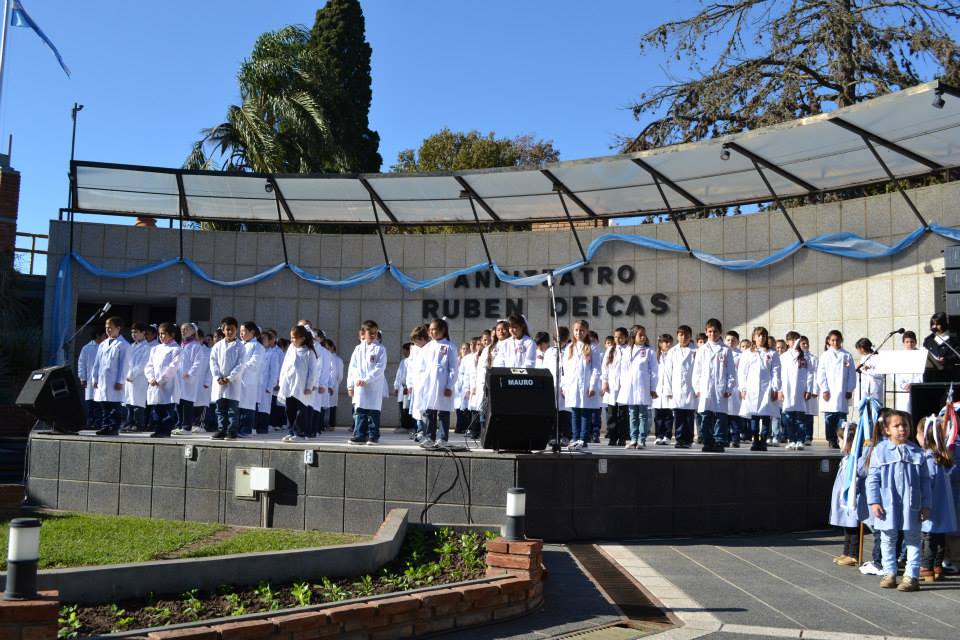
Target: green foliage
193,606
302,593
236,607
267,596
121,620
331,591
20,338
752,63
159,616
458,151
364,587
472,550
69,622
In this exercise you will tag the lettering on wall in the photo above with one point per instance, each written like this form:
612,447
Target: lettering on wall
491,308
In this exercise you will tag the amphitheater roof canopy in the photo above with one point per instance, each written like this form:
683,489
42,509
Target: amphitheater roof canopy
894,136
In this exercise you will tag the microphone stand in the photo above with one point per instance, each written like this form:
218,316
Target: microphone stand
866,360
100,312
556,383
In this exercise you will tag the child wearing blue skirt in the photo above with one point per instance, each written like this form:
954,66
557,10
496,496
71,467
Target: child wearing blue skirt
843,513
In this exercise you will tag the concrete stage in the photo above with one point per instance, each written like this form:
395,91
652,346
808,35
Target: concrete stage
601,493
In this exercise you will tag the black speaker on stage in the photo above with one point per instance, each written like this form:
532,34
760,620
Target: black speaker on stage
930,397
521,409
53,395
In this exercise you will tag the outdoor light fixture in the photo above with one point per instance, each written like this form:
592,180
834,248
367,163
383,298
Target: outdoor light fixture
513,528
23,552
938,99
724,152
268,187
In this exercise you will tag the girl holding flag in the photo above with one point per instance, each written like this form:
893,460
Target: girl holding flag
844,502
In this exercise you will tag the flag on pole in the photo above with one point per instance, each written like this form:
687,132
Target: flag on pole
869,409
20,18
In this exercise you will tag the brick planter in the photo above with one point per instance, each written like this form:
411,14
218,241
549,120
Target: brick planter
30,619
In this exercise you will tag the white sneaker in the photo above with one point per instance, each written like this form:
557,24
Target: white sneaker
418,438
798,446
573,446
630,445
790,446
870,569
642,444
197,429
177,432
564,442
427,443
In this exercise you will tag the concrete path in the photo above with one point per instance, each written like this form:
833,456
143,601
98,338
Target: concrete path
781,586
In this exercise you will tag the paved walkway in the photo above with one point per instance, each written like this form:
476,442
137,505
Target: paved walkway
781,586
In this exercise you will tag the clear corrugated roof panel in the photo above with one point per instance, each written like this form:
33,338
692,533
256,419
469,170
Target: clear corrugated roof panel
229,197
127,191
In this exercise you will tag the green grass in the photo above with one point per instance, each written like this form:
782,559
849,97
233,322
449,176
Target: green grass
250,540
84,539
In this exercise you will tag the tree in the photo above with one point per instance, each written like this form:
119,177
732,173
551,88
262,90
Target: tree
784,59
340,49
457,151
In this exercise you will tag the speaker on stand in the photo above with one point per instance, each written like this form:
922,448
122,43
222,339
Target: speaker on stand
53,396
521,409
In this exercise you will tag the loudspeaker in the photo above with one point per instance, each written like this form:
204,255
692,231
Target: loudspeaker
521,409
929,397
53,395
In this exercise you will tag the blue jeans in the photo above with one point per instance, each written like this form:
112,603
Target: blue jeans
793,424
639,421
366,424
247,419
832,421
227,416
166,417
582,422
760,427
594,425
683,425
776,428
714,425
438,425
888,547
807,427
185,414
210,417
110,415
739,427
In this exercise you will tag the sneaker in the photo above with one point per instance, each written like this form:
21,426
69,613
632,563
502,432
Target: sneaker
370,443
909,584
197,429
177,432
870,569
847,561
798,446
949,568
926,575
642,444
790,446
889,581
231,436
630,445
573,446
219,435
427,443
295,439
418,438
356,440
564,442
287,438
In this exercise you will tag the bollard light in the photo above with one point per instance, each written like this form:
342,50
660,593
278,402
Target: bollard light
23,552
514,528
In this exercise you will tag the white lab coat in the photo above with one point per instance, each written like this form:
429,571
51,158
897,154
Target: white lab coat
400,383
638,375
88,354
678,370
206,379
610,374
581,374
369,364
837,374
191,362
714,377
269,377
662,401
813,404
733,402
460,388
135,382
108,369
297,373
548,360
480,376
869,384
162,366
250,375
335,376
439,360
515,353
795,380
414,375
323,377
759,377
226,361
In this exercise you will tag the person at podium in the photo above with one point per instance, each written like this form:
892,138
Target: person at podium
943,348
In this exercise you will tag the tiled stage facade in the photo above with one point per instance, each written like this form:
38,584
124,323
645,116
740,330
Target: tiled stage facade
603,494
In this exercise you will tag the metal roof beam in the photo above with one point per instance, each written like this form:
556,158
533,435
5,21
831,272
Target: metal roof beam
376,196
280,199
562,188
475,196
670,183
673,216
883,142
783,173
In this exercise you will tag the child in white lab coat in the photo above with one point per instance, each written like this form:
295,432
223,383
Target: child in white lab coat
161,373
135,383
365,384
580,380
109,366
439,361
678,371
836,379
759,382
295,381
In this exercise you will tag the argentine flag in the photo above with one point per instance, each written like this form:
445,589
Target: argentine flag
20,18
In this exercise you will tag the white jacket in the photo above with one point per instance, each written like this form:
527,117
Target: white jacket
253,361
795,380
638,376
190,363
400,383
837,374
205,392
869,384
226,361
678,370
297,372
439,361
515,353
759,375
269,377
733,402
581,374
548,360
88,354
813,404
610,373
135,383
108,368
162,366
714,377
663,400
369,364
480,376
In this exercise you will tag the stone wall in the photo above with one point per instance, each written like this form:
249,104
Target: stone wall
809,292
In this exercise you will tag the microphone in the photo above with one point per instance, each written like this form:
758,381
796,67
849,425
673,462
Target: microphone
105,308
901,331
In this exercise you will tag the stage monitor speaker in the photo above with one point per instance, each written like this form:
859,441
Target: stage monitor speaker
929,397
53,395
521,409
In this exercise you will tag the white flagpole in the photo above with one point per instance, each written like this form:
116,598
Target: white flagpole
3,41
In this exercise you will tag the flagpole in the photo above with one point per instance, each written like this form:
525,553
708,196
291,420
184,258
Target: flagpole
3,42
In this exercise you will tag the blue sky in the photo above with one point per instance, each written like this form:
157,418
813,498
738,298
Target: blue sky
152,75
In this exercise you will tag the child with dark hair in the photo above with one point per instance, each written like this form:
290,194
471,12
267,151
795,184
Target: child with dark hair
161,373
226,364
366,384
107,375
88,355
836,379
439,360
714,381
250,375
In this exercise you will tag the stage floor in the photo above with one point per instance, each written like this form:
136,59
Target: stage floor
391,441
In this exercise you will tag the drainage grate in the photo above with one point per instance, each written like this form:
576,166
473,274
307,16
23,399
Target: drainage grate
618,586
618,632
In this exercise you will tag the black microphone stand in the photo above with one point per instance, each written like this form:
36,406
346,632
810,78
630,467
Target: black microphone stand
556,383
99,313
866,360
